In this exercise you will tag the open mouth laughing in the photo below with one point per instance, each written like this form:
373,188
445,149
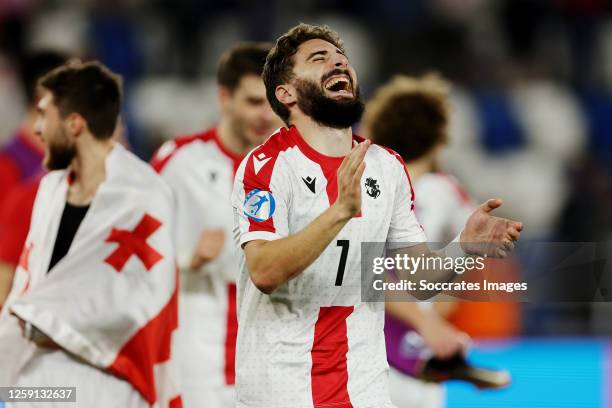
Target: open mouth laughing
339,85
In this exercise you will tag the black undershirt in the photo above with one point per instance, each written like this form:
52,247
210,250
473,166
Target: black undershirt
69,224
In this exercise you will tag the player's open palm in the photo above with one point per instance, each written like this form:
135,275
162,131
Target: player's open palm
349,179
485,234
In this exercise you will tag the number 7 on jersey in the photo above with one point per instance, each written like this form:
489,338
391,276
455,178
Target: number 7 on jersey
344,243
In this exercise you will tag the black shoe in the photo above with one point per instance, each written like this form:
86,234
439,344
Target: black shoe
457,368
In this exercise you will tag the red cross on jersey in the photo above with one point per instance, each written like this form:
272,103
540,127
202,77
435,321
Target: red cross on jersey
134,243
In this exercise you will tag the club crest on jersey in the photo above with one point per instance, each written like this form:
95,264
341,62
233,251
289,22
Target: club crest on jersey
372,187
259,205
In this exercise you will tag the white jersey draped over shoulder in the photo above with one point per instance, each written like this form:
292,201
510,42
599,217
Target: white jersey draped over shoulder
312,342
110,303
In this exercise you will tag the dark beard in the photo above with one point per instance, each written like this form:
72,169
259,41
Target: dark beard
60,155
334,113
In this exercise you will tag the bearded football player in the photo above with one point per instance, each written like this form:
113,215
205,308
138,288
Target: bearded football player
304,202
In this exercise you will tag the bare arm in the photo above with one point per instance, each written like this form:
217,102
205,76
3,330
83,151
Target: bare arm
441,337
483,234
272,263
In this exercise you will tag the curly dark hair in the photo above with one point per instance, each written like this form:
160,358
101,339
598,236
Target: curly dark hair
409,115
279,63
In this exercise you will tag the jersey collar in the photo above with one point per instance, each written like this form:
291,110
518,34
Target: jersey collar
314,155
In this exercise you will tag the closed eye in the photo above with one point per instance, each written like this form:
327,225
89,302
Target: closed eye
317,55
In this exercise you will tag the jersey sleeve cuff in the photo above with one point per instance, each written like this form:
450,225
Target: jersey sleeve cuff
253,235
406,241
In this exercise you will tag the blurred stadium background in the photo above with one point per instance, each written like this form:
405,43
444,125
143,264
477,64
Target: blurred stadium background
531,123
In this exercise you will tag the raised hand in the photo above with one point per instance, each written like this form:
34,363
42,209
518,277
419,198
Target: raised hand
349,179
485,234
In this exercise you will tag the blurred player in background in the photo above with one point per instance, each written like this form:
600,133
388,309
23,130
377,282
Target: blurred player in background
304,202
410,116
22,156
200,170
94,300
21,169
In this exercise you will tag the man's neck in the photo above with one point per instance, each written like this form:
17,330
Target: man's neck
232,142
325,140
89,170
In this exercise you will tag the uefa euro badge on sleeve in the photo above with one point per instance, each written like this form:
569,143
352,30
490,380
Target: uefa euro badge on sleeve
259,205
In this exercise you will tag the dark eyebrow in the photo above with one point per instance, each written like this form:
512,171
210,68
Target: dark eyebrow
256,99
321,52
339,51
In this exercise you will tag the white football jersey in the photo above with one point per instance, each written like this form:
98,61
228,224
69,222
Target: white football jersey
312,342
442,206
200,171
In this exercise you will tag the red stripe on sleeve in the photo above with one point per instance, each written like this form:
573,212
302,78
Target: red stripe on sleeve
329,375
409,182
399,159
259,180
